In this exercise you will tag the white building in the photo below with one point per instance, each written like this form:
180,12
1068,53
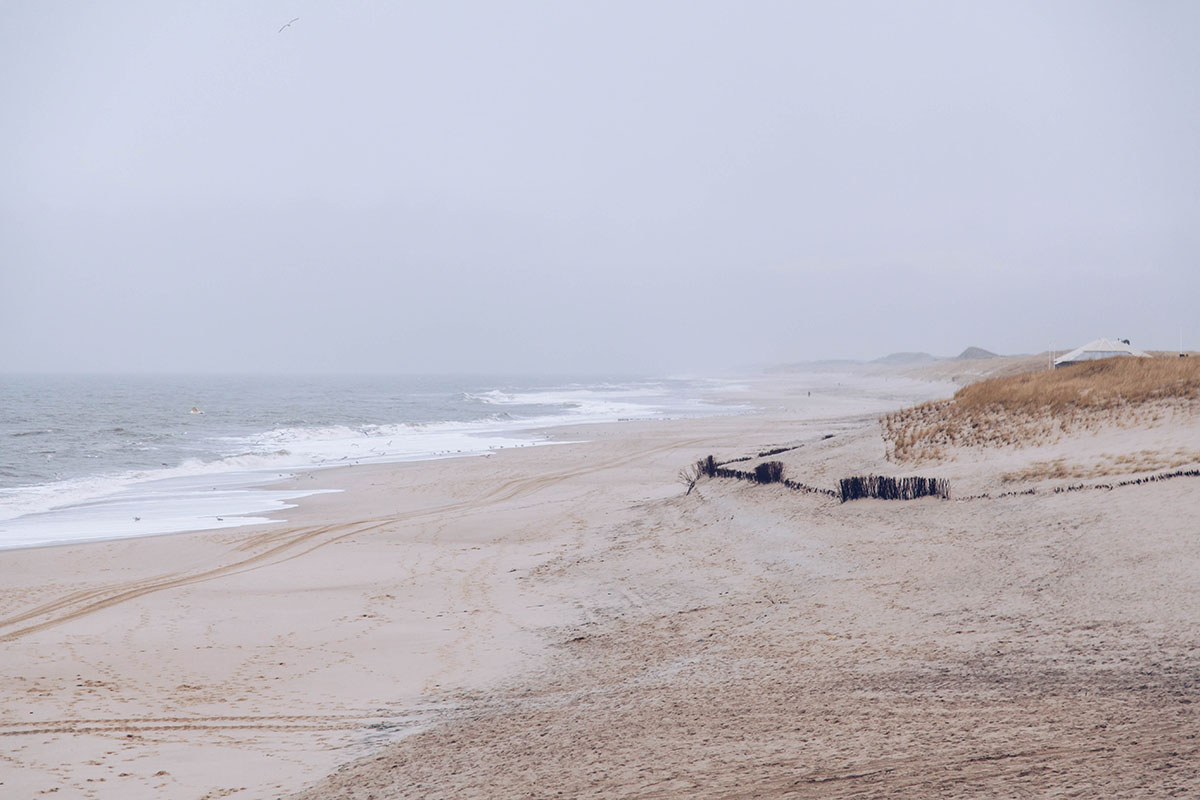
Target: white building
1095,350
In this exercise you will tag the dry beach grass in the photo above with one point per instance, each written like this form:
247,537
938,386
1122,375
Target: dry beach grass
1037,407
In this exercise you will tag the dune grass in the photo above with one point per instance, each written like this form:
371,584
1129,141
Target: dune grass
1035,407
1095,384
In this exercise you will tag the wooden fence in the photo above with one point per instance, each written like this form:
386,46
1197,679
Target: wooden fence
884,488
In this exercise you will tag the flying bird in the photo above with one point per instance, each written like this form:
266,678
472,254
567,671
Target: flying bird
289,24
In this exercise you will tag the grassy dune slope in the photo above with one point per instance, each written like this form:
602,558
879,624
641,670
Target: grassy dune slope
1039,407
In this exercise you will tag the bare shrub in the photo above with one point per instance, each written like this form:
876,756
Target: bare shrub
689,475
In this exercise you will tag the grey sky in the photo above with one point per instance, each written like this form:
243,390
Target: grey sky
631,186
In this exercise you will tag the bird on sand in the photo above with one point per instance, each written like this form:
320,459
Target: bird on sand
289,24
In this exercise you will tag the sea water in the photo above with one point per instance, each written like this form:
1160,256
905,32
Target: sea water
101,457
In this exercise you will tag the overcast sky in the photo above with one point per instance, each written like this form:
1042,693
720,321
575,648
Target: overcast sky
601,186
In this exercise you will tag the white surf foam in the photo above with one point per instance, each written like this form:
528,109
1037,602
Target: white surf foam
156,507
193,494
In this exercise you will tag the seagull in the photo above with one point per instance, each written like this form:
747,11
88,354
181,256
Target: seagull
289,24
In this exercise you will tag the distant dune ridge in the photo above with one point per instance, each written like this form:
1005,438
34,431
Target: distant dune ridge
906,359
902,359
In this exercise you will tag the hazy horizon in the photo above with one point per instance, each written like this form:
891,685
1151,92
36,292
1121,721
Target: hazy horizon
541,188
733,370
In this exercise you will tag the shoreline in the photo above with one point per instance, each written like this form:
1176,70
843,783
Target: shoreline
175,499
249,496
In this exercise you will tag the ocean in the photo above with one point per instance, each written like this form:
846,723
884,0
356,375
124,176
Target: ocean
101,457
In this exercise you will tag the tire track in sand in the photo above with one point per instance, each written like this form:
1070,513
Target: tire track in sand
285,546
132,725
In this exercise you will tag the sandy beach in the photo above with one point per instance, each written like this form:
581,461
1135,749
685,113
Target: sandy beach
565,621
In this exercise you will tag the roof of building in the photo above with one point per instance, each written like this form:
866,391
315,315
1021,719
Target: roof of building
1097,349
